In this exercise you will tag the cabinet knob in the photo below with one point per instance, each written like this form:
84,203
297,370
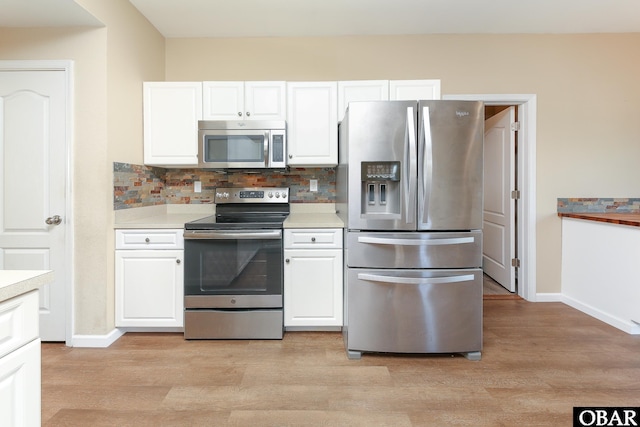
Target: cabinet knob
147,240
313,239
239,113
291,156
178,261
248,114
287,260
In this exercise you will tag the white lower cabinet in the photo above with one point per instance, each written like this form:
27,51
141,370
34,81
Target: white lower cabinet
149,283
313,278
20,361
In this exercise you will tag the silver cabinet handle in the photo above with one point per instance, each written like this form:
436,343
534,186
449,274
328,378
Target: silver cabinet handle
147,240
239,113
53,220
313,239
287,261
248,114
178,261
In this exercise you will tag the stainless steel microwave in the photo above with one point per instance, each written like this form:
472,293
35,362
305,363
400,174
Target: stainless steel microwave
242,144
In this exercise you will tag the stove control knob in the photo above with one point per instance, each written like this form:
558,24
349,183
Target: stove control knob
284,195
277,195
270,195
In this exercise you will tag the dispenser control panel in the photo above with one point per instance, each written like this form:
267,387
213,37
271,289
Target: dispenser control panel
380,171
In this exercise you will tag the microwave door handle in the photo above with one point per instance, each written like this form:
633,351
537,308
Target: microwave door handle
267,144
415,280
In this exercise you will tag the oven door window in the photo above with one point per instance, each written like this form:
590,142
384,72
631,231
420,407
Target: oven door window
235,148
233,267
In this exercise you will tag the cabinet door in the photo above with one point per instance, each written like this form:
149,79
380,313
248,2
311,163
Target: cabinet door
265,101
312,123
20,386
171,114
313,287
149,288
223,100
361,90
413,90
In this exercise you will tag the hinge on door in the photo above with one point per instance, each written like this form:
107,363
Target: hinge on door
515,262
515,194
515,126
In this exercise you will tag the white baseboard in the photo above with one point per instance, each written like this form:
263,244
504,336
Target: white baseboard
629,327
548,297
313,328
96,341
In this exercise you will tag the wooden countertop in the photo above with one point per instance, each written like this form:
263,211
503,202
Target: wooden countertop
631,219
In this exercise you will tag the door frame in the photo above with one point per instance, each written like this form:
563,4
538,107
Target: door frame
526,178
67,66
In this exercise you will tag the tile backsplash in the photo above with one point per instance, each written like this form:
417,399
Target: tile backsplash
138,186
599,205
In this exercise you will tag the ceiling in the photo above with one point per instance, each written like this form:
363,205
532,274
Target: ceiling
295,18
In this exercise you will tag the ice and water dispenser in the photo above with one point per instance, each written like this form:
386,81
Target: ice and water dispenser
380,189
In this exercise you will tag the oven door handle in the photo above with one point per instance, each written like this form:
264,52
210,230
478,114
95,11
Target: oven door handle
232,235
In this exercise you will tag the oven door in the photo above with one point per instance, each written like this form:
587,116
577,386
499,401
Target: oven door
233,269
224,148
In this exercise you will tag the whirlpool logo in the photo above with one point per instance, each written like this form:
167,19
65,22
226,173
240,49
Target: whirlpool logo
611,416
462,113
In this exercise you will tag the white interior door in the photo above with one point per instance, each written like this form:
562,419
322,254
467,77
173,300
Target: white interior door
33,159
499,208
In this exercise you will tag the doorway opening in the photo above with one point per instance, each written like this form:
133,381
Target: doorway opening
525,162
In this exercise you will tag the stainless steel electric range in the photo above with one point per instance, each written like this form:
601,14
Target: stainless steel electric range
233,273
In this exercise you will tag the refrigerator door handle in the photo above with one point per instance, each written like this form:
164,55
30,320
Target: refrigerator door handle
415,280
427,165
409,166
415,242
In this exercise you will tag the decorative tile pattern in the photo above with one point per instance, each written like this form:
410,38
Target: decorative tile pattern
599,205
138,186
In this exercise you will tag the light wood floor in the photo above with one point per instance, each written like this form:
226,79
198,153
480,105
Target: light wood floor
539,361
493,290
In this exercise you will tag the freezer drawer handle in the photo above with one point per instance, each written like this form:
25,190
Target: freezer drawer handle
415,242
415,280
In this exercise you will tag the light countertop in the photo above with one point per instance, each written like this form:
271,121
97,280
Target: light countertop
303,215
313,220
163,216
18,282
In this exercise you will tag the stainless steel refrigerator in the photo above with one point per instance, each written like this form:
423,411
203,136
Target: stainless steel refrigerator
409,190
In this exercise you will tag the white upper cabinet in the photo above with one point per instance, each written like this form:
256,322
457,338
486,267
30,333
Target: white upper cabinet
171,114
312,124
244,100
361,90
413,90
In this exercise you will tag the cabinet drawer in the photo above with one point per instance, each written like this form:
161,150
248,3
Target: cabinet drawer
19,322
313,238
150,239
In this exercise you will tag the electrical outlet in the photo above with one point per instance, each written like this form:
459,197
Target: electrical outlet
197,186
313,185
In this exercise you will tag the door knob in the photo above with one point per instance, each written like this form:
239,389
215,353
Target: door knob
53,220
